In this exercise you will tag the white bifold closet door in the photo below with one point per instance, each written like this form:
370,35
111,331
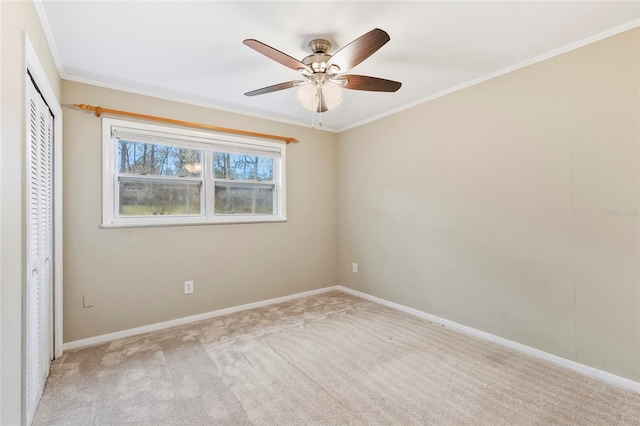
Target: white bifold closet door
39,291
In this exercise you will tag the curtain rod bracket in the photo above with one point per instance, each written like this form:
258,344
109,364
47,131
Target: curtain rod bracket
99,111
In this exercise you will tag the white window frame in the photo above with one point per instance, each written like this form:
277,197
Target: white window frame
208,142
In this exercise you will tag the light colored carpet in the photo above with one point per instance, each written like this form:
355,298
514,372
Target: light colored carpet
327,359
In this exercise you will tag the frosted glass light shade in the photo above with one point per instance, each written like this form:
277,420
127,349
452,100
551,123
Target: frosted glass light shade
332,95
308,96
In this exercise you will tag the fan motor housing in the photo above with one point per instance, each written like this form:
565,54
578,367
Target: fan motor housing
319,45
319,58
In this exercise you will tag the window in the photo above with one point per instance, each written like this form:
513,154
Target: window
159,175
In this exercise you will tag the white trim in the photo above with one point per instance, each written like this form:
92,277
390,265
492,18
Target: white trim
44,22
592,39
1,287
185,99
563,362
33,67
150,223
46,27
205,141
32,63
186,320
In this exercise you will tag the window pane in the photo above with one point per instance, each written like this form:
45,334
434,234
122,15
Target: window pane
242,167
160,160
149,198
240,199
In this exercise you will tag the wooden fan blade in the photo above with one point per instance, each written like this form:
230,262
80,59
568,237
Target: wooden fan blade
274,88
360,49
371,84
275,54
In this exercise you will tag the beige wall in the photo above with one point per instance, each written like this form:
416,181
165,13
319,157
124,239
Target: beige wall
489,206
136,275
17,17
486,207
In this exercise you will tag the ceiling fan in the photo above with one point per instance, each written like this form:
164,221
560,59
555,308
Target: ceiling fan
323,75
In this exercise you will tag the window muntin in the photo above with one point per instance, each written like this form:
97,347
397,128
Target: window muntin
157,175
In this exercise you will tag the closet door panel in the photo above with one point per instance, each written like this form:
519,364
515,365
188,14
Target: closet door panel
39,240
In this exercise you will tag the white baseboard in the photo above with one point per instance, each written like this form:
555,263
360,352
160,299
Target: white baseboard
572,365
185,320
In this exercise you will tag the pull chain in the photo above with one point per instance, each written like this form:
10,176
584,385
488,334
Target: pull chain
320,101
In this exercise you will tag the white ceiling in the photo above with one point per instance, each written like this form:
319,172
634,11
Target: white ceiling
193,51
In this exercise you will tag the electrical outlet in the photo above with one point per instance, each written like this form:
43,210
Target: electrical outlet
354,268
88,301
188,287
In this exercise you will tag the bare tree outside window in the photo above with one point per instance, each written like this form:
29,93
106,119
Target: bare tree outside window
156,175
158,197
243,195
158,160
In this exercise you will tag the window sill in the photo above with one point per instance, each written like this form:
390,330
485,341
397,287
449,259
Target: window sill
225,221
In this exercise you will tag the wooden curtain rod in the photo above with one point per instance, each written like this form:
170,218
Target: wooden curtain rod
99,111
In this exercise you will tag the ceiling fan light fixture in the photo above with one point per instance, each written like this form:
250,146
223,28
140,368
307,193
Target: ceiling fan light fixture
308,95
325,79
332,95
